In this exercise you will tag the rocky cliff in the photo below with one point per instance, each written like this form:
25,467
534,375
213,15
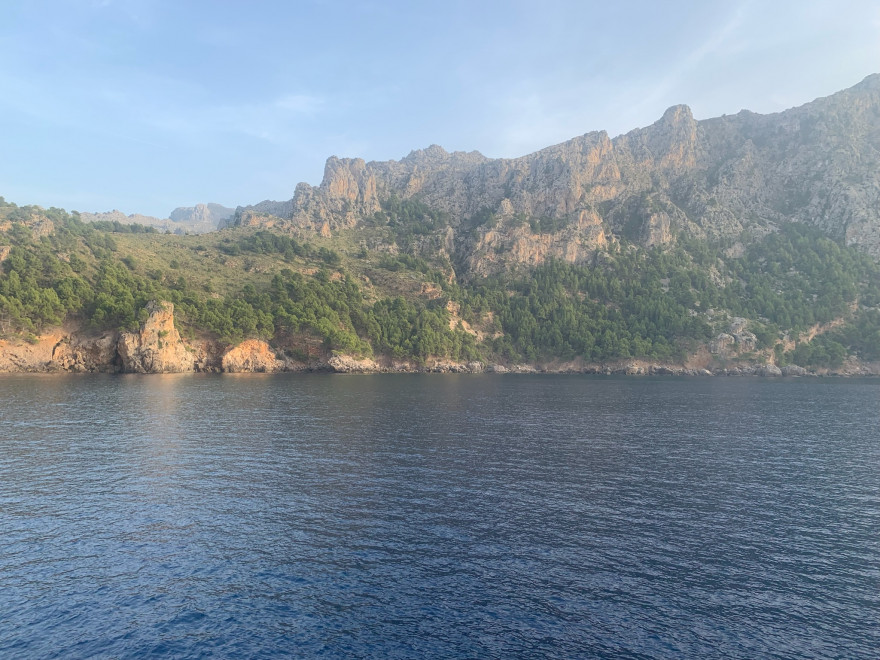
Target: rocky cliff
156,348
730,176
252,355
60,350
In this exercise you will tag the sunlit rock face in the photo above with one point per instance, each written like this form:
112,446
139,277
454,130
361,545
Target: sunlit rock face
251,355
156,347
732,176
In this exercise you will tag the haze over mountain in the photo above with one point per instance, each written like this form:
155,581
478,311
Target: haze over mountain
196,219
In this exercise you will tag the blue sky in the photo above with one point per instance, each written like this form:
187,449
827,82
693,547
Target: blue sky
145,105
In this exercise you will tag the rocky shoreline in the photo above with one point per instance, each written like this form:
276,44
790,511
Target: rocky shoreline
341,364
157,347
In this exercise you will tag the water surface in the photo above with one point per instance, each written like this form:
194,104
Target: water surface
438,516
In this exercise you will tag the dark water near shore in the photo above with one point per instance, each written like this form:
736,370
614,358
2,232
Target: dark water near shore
438,516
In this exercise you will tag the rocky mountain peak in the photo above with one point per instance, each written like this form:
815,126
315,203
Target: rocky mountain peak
433,153
746,173
677,115
437,156
869,83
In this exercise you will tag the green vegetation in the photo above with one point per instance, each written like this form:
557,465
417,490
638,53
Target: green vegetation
568,311
123,227
78,273
408,218
629,302
797,277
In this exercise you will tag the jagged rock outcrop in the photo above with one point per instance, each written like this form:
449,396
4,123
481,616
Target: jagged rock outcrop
736,340
85,353
817,164
156,348
770,370
265,214
38,223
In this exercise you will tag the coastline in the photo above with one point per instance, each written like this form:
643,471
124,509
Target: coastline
157,347
67,351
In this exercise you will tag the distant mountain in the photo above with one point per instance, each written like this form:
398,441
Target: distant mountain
732,177
134,218
197,219
201,218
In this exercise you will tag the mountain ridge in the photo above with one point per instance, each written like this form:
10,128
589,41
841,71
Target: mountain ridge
717,178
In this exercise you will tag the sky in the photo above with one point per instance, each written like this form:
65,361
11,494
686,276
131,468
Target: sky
146,105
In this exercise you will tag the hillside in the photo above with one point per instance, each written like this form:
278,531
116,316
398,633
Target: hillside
742,244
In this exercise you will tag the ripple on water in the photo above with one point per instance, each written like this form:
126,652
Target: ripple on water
438,516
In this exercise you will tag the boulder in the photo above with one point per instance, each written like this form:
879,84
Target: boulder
770,370
346,364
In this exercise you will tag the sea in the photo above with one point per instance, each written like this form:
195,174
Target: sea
438,516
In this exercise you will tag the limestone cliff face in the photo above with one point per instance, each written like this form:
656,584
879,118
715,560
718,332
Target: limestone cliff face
252,355
817,164
156,348
60,350
266,213
514,243
352,189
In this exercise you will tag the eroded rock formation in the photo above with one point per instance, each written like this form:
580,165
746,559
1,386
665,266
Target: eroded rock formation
156,348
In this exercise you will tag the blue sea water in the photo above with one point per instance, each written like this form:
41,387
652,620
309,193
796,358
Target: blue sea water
410,516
